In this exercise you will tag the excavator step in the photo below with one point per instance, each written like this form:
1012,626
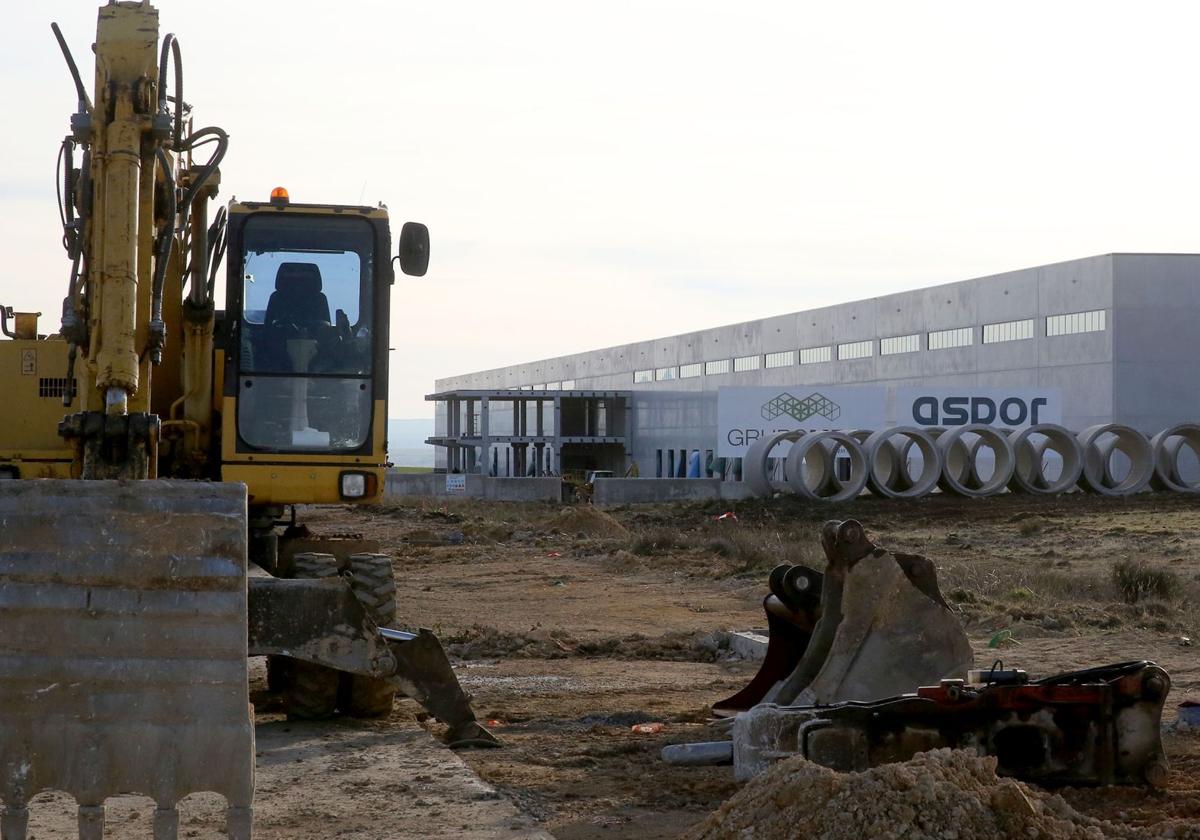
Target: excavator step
123,645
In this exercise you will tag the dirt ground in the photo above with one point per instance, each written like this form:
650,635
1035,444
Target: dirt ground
572,625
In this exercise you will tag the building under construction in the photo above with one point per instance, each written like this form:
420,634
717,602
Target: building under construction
1112,337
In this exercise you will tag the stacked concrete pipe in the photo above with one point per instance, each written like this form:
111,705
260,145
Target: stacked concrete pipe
960,474
879,461
1167,446
1099,443
810,467
888,474
1029,446
754,463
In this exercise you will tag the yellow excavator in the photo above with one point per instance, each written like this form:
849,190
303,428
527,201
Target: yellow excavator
155,445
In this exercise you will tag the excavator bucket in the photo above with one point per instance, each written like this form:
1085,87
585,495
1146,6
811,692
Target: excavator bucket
881,628
123,614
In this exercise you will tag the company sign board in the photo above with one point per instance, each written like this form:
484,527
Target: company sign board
746,414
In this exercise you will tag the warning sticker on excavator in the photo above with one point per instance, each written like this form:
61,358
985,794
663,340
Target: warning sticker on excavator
29,362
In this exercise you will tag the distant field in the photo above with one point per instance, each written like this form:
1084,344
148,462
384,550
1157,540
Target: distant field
412,469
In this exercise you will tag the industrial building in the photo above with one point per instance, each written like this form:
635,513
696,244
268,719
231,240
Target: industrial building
1113,338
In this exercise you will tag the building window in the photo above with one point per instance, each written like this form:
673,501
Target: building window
690,371
553,386
667,373
719,366
856,350
541,387
814,355
569,384
900,344
786,358
526,387
944,339
1075,322
1008,331
643,376
744,363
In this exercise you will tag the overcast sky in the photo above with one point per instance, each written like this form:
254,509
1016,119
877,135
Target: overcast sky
602,173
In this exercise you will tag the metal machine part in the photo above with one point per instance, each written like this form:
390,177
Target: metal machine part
1094,727
874,624
141,685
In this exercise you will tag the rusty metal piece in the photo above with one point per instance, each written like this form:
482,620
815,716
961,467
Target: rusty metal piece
884,627
792,610
1094,727
141,685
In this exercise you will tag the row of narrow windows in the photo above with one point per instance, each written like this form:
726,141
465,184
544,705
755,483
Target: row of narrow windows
1019,330
1069,324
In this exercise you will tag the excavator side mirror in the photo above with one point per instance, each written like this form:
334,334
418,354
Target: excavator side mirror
414,249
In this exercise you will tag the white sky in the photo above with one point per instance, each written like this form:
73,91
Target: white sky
605,173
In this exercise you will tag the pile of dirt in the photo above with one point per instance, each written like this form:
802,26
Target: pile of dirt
480,642
587,521
939,794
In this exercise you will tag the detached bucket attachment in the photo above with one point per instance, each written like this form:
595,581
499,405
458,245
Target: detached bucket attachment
123,648
881,628
792,610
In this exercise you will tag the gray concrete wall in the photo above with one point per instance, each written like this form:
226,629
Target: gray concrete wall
478,487
1137,370
618,491
1156,337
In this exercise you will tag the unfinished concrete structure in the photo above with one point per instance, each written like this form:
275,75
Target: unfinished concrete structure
1115,334
518,433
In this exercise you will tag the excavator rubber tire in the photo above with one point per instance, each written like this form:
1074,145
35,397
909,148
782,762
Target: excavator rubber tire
374,584
311,691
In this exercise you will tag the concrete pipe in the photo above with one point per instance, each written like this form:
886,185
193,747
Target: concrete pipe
960,473
754,463
1097,452
888,474
810,462
1167,446
1029,447
833,483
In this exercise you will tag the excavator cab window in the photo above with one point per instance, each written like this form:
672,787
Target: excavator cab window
306,338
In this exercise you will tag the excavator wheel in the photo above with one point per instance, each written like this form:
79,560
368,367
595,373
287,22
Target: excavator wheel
311,691
374,585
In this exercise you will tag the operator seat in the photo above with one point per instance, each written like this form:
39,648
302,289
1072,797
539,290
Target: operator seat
298,298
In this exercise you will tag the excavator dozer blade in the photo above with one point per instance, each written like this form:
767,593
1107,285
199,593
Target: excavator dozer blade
884,628
123,648
321,621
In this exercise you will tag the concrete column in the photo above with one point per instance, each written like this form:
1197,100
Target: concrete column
558,435
485,438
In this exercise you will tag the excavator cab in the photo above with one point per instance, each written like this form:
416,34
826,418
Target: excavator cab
302,351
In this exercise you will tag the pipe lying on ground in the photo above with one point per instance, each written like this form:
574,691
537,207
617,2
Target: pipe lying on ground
810,467
1098,450
888,474
1167,446
1029,447
960,473
754,464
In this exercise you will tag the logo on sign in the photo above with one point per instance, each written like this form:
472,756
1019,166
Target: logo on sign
811,406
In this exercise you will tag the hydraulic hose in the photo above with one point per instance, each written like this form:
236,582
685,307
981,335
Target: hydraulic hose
85,103
170,48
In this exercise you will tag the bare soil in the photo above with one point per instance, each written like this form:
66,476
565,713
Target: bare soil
570,626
